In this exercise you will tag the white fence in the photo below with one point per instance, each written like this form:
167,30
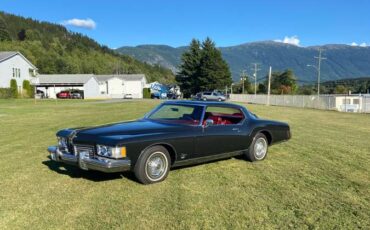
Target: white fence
343,103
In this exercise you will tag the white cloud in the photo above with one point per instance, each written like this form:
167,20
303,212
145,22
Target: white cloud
293,40
87,23
363,44
360,45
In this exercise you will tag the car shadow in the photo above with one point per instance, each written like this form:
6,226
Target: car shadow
96,176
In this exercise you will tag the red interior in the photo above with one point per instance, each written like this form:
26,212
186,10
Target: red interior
224,119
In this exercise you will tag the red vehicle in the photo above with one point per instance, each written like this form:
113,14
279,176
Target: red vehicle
64,94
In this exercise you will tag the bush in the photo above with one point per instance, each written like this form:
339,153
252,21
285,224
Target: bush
146,93
28,89
5,93
14,88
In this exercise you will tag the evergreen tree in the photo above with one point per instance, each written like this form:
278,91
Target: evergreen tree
189,69
203,68
14,88
214,71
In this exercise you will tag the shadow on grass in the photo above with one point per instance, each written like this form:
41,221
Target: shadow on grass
96,176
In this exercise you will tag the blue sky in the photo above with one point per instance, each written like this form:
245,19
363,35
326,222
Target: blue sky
175,22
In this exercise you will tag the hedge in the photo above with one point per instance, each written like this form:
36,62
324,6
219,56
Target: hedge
5,93
14,88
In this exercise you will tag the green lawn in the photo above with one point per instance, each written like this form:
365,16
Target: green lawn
319,179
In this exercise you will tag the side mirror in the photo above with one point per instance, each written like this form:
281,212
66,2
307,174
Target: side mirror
208,122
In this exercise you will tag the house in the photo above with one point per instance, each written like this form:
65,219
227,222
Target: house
13,65
116,86
94,86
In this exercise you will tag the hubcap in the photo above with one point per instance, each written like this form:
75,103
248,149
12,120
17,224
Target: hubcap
260,148
156,166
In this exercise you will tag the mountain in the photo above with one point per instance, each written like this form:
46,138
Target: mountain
54,49
343,61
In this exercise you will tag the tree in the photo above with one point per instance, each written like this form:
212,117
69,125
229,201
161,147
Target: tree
14,88
189,69
203,68
214,71
22,35
283,83
340,89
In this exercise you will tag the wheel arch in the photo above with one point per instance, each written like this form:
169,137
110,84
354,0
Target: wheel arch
267,134
171,150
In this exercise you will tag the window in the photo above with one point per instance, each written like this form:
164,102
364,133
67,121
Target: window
181,114
19,72
223,115
13,72
347,101
356,101
207,93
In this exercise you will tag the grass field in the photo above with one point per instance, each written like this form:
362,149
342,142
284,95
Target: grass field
319,179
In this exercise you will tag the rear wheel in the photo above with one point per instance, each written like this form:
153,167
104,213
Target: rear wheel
153,165
220,99
258,149
204,99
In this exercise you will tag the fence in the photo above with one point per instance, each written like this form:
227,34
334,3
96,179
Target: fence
343,103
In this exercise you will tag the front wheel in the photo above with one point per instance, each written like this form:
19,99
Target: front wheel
153,165
258,149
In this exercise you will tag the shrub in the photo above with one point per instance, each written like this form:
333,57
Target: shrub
28,89
5,93
146,93
14,88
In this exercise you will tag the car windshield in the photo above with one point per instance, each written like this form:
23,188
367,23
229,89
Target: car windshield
179,114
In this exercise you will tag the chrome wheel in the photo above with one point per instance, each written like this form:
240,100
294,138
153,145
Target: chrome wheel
260,148
156,166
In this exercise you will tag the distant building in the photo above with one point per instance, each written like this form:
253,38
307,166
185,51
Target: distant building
94,86
13,65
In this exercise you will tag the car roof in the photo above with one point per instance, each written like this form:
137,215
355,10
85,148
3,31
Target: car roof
201,103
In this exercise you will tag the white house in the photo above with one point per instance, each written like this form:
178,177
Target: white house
116,86
94,86
13,65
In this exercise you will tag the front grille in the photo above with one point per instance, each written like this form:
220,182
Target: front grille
85,148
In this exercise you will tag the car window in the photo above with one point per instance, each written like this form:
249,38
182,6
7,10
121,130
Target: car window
206,93
183,114
224,115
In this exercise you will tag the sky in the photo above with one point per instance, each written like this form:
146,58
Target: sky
117,23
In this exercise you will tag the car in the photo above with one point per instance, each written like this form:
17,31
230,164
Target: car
77,94
127,96
40,94
65,94
210,96
176,133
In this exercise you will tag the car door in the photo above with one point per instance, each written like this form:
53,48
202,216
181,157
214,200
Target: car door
219,137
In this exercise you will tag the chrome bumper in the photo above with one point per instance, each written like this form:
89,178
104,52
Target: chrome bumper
84,161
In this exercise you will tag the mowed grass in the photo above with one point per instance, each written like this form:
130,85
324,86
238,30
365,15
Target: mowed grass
318,179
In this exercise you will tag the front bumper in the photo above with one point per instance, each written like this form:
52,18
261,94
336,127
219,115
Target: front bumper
84,161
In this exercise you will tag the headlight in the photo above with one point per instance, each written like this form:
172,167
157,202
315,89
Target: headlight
114,152
62,142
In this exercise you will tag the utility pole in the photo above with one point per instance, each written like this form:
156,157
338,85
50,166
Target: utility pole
319,58
269,87
255,77
243,79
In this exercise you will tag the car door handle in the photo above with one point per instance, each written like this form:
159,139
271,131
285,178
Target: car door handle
236,129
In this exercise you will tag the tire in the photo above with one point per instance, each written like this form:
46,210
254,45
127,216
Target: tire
220,99
258,149
204,99
147,174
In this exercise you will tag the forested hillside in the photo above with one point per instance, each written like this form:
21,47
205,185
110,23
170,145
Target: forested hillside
54,49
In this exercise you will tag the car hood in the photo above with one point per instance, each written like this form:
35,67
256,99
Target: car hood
112,134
